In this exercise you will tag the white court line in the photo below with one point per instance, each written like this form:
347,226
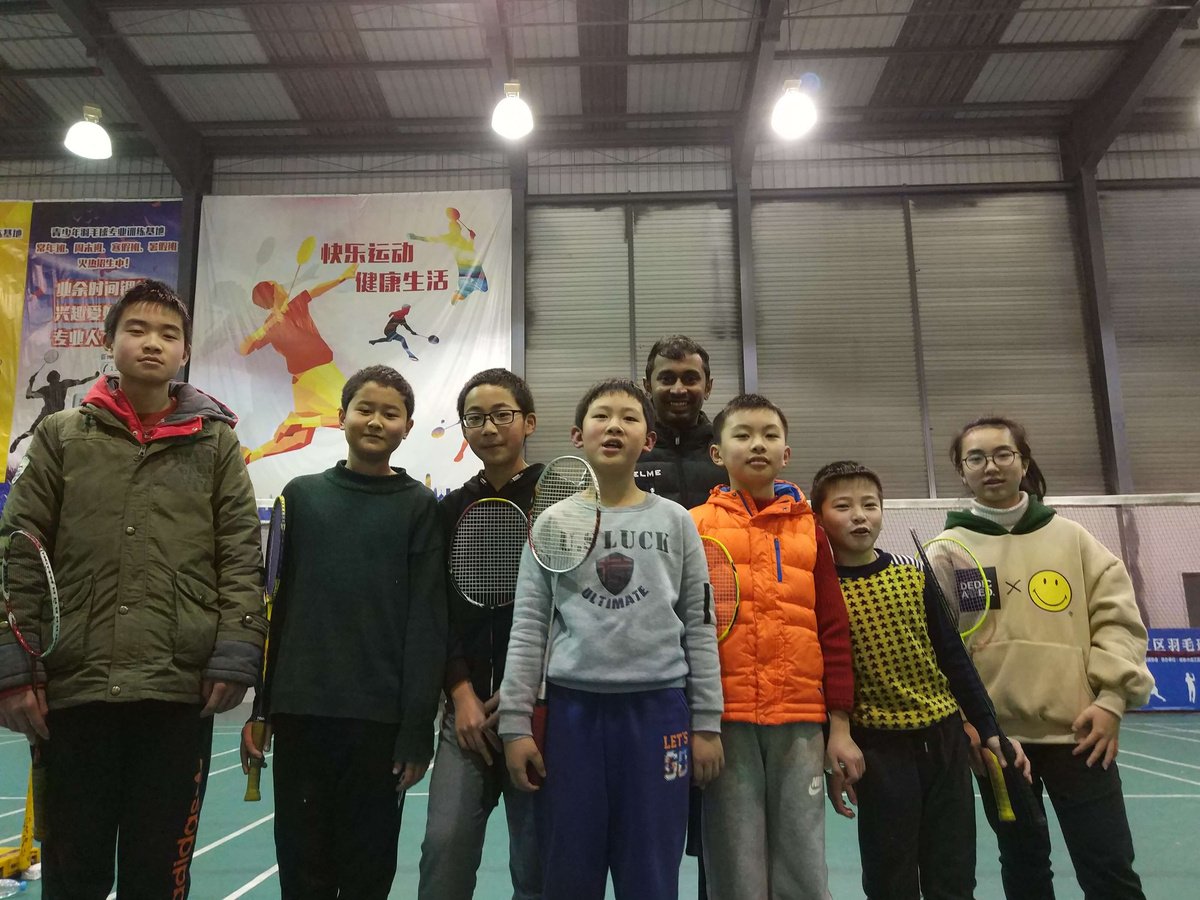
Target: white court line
15,812
1162,734
20,740
1123,753
1162,796
237,765
252,884
1161,774
11,837
218,843
1178,728
22,797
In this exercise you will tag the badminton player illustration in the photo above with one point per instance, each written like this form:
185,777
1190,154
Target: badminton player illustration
53,395
391,331
316,381
471,277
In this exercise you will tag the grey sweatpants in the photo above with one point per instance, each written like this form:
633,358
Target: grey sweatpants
764,816
463,791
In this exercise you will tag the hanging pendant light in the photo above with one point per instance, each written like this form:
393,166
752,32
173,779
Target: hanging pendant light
87,138
512,118
795,113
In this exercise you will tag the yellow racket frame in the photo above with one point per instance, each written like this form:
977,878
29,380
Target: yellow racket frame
987,585
710,541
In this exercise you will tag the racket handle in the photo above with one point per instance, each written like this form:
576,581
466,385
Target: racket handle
41,825
258,736
1004,808
539,737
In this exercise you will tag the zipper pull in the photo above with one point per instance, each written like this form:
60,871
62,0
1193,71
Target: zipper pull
142,452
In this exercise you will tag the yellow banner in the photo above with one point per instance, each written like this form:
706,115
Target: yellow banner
14,250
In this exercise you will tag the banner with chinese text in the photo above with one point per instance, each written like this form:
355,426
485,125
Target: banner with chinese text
295,294
1173,655
14,248
82,256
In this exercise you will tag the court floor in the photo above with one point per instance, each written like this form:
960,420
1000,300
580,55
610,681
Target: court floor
1160,765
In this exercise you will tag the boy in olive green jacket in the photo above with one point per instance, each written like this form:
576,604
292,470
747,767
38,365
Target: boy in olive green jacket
146,510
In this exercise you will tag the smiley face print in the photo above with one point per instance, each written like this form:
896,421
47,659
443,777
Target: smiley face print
1050,590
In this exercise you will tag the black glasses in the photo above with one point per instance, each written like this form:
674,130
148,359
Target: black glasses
498,417
1003,458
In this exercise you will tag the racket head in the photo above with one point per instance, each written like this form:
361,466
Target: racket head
723,581
50,356
433,339
564,518
25,569
963,585
485,552
276,531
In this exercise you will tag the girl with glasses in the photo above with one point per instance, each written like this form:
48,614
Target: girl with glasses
1063,655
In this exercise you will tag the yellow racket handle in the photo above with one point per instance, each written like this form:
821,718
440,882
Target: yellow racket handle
999,789
258,736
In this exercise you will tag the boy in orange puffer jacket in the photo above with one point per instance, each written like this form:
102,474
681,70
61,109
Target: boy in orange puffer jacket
785,670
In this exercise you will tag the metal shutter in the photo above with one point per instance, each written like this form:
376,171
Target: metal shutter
835,338
686,282
576,314
1152,245
1001,303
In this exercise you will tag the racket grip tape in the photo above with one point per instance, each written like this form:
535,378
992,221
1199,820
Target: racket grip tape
258,736
538,726
1004,808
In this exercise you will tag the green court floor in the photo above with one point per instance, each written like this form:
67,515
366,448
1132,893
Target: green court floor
1160,765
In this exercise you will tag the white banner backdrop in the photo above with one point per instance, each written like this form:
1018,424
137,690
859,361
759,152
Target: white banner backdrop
295,294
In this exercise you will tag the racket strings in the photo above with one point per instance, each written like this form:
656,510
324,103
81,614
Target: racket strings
722,576
565,515
485,553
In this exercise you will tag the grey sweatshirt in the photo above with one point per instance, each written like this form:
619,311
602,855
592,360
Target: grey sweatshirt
635,616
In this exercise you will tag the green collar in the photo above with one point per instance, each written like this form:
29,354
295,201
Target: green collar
1038,515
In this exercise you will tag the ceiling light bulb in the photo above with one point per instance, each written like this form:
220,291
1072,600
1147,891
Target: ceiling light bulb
87,138
795,113
512,118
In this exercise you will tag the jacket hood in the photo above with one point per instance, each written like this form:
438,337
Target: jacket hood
193,407
1038,515
789,500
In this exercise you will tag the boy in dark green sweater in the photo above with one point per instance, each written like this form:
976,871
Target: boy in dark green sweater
358,648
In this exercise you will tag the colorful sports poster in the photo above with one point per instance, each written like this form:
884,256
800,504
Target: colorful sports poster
295,294
14,247
82,256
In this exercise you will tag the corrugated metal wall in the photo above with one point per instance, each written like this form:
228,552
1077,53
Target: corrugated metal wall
1152,245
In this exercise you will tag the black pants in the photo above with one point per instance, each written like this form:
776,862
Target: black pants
916,813
123,779
337,813
695,843
1091,813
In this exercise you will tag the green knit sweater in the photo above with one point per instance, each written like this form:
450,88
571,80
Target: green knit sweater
359,627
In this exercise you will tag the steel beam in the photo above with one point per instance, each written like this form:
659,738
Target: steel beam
758,88
1109,110
1102,340
749,308
174,139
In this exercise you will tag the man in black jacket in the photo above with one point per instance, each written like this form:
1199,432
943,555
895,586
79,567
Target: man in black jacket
679,381
679,466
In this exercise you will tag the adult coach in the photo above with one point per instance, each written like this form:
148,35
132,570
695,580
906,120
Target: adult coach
679,467
678,381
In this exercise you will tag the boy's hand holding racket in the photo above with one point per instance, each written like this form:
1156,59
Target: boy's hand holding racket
708,757
521,755
23,710
252,751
